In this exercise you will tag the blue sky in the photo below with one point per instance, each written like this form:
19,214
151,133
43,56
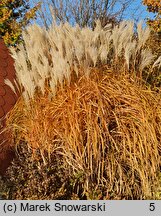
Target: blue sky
141,13
136,10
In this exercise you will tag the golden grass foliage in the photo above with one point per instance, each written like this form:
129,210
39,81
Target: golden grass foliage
107,128
85,104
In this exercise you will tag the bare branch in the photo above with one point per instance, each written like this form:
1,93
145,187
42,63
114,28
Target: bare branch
85,12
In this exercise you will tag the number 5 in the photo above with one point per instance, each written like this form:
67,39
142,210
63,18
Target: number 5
152,207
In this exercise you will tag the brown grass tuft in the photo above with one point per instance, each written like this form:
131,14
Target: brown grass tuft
107,129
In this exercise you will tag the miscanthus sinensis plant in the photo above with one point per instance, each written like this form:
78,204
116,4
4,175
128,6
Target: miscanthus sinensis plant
88,108
55,53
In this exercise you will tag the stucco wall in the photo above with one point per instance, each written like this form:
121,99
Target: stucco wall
7,101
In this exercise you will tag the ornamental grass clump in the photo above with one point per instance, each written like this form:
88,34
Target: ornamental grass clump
84,101
105,127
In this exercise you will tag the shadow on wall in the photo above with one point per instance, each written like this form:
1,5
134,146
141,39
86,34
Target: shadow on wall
7,100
